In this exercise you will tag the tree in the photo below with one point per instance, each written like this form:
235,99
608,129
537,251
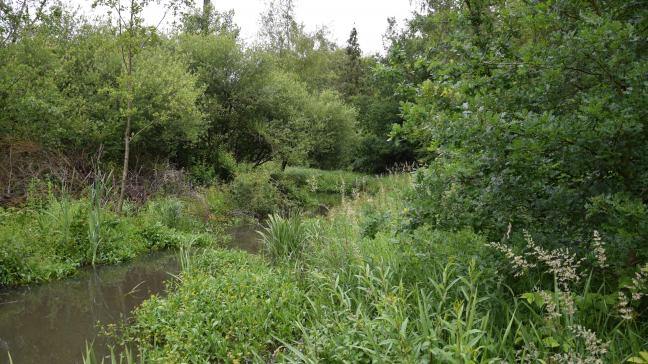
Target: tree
232,101
15,18
285,126
133,37
333,131
279,28
530,114
353,69
208,21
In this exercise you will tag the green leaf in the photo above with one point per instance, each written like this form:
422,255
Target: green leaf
550,342
529,296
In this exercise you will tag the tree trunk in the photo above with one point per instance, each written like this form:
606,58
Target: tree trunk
122,189
127,131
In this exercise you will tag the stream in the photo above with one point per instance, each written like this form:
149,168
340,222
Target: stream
51,323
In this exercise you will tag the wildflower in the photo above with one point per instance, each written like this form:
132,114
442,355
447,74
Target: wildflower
550,306
567,303
623,307
561,263
599,250
528,354
312,183
595,349
594,346
637,290
518,262
508,231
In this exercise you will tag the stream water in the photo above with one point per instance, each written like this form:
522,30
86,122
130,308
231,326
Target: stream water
51,323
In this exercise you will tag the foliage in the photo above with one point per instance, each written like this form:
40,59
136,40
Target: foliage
229,307
283,237
530,114
523,115
51,241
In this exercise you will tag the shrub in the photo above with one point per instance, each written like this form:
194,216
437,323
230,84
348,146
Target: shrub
254,193
51,240
171,212
229,307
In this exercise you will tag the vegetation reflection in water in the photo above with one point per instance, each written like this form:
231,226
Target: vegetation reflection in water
51,323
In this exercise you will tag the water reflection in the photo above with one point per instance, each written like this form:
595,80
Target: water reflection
51,323
245,237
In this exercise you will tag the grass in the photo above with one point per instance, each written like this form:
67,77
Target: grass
283,237
52,240
52,236
368,282
210,315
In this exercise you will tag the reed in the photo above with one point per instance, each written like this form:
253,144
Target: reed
283,237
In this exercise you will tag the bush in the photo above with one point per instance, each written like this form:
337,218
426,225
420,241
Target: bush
222,166
254,193
52,239
229,307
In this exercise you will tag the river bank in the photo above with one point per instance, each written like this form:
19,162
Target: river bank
54,235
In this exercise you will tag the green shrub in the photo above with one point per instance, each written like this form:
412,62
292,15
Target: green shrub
171,212
217,200
51,240
230,307
254,193
315,180
158,236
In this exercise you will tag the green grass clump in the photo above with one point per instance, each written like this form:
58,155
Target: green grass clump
228,307
283,237
316,180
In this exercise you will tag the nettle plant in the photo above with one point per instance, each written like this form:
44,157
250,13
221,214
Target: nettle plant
566,313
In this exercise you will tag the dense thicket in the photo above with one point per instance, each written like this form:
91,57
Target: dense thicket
526,121
529,113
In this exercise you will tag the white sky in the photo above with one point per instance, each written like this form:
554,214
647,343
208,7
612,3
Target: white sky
368,16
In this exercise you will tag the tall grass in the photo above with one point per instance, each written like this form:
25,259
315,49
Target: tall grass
98,191
125,356
283,237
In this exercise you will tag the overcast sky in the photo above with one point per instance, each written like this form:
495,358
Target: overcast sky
368,16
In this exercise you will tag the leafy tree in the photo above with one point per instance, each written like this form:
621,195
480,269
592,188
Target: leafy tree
232,101
530,114
353,69
336,134
284,126
19,17
208,21
279,28
133,36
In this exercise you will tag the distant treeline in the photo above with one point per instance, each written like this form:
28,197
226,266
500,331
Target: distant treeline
76,95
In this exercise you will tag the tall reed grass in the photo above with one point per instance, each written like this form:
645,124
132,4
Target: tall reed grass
283,237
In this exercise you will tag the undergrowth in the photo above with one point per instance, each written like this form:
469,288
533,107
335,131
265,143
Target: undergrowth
367,283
